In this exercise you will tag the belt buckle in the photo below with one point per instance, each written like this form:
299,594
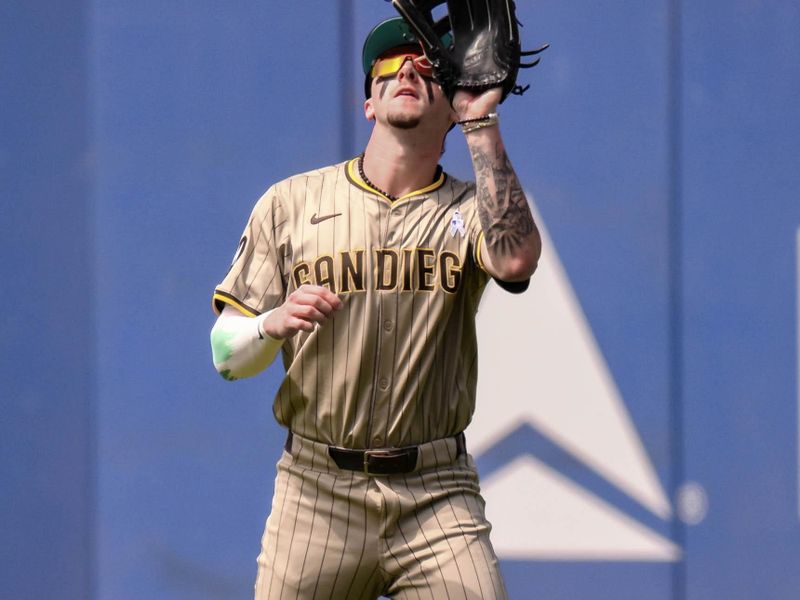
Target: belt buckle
380,453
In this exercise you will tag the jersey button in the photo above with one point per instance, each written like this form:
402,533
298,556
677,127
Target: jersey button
383,383
388,326
377,441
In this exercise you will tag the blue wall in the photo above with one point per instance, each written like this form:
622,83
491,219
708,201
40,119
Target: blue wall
661,142
47,335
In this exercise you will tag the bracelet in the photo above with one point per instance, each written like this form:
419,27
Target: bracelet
475,124
483,118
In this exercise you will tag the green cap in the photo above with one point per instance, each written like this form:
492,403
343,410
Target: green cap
389,34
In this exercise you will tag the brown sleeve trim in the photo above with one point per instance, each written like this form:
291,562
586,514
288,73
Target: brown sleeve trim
220,299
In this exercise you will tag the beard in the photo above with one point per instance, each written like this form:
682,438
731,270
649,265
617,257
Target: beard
403,121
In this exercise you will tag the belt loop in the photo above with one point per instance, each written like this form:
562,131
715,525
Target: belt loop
288,445
461,444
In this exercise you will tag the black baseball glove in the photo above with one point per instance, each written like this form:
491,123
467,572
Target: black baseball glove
485,50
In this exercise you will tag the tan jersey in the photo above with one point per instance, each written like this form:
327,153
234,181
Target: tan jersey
398,364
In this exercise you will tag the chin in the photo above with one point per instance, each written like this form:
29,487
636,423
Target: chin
404,121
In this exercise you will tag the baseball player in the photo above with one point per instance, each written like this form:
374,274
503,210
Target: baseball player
366,277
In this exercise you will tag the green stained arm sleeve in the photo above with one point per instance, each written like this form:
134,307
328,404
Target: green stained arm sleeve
238,346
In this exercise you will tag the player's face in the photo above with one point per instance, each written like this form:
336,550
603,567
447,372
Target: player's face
404,92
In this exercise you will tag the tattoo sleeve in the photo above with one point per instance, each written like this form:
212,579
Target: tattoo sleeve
505,216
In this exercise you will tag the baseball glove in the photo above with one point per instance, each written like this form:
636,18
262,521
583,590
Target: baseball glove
485,51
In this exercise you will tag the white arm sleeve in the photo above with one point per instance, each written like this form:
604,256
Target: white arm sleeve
239,346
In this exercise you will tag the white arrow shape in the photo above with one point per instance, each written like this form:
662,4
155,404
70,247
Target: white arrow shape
538,514
539,363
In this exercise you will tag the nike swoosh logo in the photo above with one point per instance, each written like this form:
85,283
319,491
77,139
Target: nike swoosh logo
315,219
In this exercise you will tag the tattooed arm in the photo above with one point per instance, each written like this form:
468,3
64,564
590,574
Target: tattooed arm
511,245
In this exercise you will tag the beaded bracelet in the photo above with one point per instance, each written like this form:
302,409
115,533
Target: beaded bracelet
492,115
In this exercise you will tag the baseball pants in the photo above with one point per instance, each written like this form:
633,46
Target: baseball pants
344,535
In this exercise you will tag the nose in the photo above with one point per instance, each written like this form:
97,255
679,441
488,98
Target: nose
407,70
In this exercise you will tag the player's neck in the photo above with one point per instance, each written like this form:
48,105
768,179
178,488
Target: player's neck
399,168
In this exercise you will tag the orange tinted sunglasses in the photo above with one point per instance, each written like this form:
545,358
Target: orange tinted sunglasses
387,67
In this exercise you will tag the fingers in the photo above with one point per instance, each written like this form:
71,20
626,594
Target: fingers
306,308
295,324
316,299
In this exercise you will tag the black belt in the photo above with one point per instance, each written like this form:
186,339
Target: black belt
380,461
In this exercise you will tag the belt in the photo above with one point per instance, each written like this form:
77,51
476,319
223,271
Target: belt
380,461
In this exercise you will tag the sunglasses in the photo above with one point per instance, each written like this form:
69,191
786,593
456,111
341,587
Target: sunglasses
387,67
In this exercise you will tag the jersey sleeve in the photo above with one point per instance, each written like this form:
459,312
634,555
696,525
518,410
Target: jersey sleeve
256,281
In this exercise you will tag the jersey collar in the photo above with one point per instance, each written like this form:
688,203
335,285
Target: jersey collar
351,171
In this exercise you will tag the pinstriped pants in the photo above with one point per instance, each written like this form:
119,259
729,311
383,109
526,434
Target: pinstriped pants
343,535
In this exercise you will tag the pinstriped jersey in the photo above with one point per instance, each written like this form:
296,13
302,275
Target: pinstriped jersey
397,365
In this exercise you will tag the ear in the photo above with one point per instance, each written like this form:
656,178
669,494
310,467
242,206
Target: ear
369,109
